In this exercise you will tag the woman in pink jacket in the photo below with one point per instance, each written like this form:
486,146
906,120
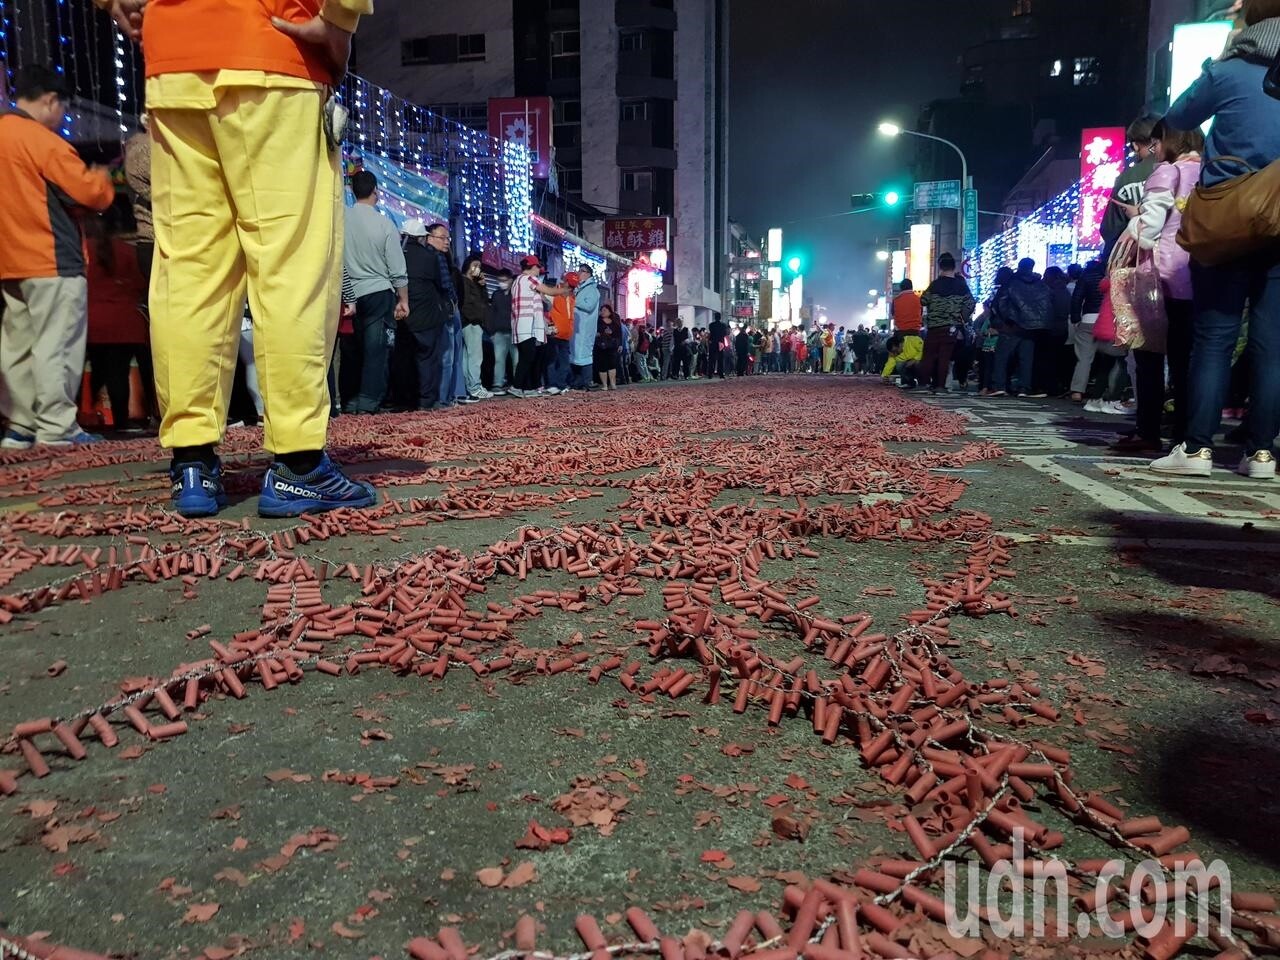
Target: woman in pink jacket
1155,228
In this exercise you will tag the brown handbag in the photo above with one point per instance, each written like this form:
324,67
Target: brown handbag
1233,219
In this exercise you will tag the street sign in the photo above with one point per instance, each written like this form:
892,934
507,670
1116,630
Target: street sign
938,194
970,220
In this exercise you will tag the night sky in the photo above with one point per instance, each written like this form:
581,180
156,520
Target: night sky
806,91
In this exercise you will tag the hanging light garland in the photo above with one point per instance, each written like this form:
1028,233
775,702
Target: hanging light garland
5,26
1050,236
489,180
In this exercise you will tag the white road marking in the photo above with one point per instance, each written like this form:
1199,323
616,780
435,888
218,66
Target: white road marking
1100,493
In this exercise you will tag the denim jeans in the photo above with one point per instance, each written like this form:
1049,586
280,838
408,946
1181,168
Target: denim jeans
375,317
502,349
1014,346
427,347
473,355
1221,294
557,363
452,383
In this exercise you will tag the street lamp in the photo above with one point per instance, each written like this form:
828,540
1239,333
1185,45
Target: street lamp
882,256
890,129
794,264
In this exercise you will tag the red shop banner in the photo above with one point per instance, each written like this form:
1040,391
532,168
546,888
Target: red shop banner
636,234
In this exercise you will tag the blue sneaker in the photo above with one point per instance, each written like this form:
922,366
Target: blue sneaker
80,438
196,489
285,494
15,439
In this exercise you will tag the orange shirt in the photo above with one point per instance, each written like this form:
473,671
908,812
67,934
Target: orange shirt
202,36
562,317
908,313
42,178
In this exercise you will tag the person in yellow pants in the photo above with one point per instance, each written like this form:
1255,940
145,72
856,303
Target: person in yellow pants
246,197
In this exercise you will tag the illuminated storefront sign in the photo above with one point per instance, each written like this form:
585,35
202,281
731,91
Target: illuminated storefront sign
921,256
1102,155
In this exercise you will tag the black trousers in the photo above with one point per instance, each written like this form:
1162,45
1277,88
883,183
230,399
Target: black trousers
428,347
986,362
528,375
684,363
1047,362
1149,392
349,368
375,316
110,368
402,383
1180,320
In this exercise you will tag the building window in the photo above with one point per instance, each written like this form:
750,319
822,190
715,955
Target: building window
471,46
637,181
631,40
442,48
635,110
1086,72
566,43
1055,68
571,180
474,115
1022,8
566,54
567,121
568,111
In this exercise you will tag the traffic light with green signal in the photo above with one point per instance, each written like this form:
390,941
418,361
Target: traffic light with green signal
871,201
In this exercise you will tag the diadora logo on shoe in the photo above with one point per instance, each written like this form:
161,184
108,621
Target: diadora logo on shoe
205,482
284,487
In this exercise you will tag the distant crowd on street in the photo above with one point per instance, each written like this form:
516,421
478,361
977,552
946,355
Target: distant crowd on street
1145,330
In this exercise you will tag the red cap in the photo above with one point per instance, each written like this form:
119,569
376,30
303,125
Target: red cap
529,261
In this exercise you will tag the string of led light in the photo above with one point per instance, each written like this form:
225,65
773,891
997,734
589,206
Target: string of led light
4,48
1050,236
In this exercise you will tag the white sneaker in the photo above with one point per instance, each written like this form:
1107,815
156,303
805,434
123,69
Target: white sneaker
17,440
1118,409
1094,405
497,391
516,392
1261,466
1183,464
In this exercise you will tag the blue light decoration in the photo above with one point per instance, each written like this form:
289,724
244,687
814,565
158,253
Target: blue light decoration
490,183
574,257
1050,236
5,27
406,194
